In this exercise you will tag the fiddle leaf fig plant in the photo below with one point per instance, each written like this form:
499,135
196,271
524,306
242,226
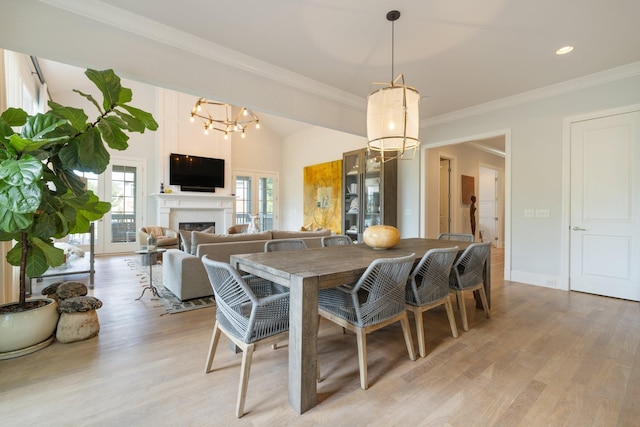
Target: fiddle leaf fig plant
41,196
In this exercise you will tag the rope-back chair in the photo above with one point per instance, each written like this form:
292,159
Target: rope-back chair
337,240
460,237
467,275
376,300
428,287
284,245
249,311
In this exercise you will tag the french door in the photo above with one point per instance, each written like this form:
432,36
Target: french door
121,184
256,195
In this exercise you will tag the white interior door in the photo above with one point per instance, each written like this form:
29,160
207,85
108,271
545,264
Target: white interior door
488,205
605,206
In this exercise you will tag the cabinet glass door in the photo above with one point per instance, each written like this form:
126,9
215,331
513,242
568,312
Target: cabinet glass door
371,192
352,199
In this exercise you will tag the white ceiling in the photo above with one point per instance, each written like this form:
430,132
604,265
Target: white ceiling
458,54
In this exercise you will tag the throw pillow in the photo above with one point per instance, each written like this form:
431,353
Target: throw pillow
155,231
186,238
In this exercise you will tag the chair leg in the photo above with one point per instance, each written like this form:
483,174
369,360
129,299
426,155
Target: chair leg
406,330
215,337
422,346
244,379
485,304
463,310
452,320
318,377
362,358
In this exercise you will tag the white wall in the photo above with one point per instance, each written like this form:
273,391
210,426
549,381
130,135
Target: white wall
536,167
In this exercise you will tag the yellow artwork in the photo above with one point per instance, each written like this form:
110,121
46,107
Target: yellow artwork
322,196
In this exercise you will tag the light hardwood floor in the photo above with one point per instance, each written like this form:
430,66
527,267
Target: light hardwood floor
545,358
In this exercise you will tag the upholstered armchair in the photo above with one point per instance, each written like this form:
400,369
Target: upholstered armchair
166,239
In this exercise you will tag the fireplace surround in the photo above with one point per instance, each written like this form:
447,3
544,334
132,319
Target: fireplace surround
182,207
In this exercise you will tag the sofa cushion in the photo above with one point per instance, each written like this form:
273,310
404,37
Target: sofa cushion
185,238
299,234
198,238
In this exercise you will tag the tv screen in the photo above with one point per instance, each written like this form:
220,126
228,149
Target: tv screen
194,173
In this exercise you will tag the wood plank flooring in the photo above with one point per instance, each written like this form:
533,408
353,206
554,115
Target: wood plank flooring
545,358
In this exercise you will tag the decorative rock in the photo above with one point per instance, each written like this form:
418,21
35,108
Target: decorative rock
79,304
71,289
78,319
51,291
80,326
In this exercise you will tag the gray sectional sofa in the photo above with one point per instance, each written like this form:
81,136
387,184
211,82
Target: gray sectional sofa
183,272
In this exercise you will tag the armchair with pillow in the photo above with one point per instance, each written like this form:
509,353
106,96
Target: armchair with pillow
166,239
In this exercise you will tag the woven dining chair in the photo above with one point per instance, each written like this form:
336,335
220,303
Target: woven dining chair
336,240
284,245
428,287
467,275
250,311
375,301
460,237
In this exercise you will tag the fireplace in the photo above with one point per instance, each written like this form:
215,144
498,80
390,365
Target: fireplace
196,226
174,209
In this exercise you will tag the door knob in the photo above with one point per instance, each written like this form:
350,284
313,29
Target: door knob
579,229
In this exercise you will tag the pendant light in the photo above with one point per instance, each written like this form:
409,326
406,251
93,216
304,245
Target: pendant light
393,118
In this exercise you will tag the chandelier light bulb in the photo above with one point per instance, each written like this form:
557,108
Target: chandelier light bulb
219,117
392,125
206,131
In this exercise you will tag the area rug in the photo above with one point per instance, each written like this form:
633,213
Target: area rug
169,301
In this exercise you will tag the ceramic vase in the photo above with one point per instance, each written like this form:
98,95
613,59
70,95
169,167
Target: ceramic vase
381,237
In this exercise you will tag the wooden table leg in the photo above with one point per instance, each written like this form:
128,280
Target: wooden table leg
303,343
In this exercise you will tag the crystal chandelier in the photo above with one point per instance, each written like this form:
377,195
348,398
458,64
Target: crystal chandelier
393,119
225,121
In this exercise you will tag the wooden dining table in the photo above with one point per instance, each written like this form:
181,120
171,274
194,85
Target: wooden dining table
304,273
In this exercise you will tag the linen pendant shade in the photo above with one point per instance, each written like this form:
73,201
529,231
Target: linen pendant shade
393,119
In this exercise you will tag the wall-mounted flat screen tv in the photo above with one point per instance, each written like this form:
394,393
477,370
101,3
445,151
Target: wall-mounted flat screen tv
194,173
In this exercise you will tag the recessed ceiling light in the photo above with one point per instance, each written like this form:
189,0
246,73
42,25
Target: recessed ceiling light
564,50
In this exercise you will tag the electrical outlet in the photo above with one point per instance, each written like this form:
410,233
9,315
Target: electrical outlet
528,213
542,213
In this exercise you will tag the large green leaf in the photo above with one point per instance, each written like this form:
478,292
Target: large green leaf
132,124
126,95
41,256
109,84
23,199
11,221
111,130
76,117
14,116
85,153
39,125
143,116
23,171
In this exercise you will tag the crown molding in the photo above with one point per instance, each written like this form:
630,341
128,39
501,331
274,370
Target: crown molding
613,74
145,27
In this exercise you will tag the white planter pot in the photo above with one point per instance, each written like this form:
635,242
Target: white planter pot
27,331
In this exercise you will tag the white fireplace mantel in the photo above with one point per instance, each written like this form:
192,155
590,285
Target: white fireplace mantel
173,208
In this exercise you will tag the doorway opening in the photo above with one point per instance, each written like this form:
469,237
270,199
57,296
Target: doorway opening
484,157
